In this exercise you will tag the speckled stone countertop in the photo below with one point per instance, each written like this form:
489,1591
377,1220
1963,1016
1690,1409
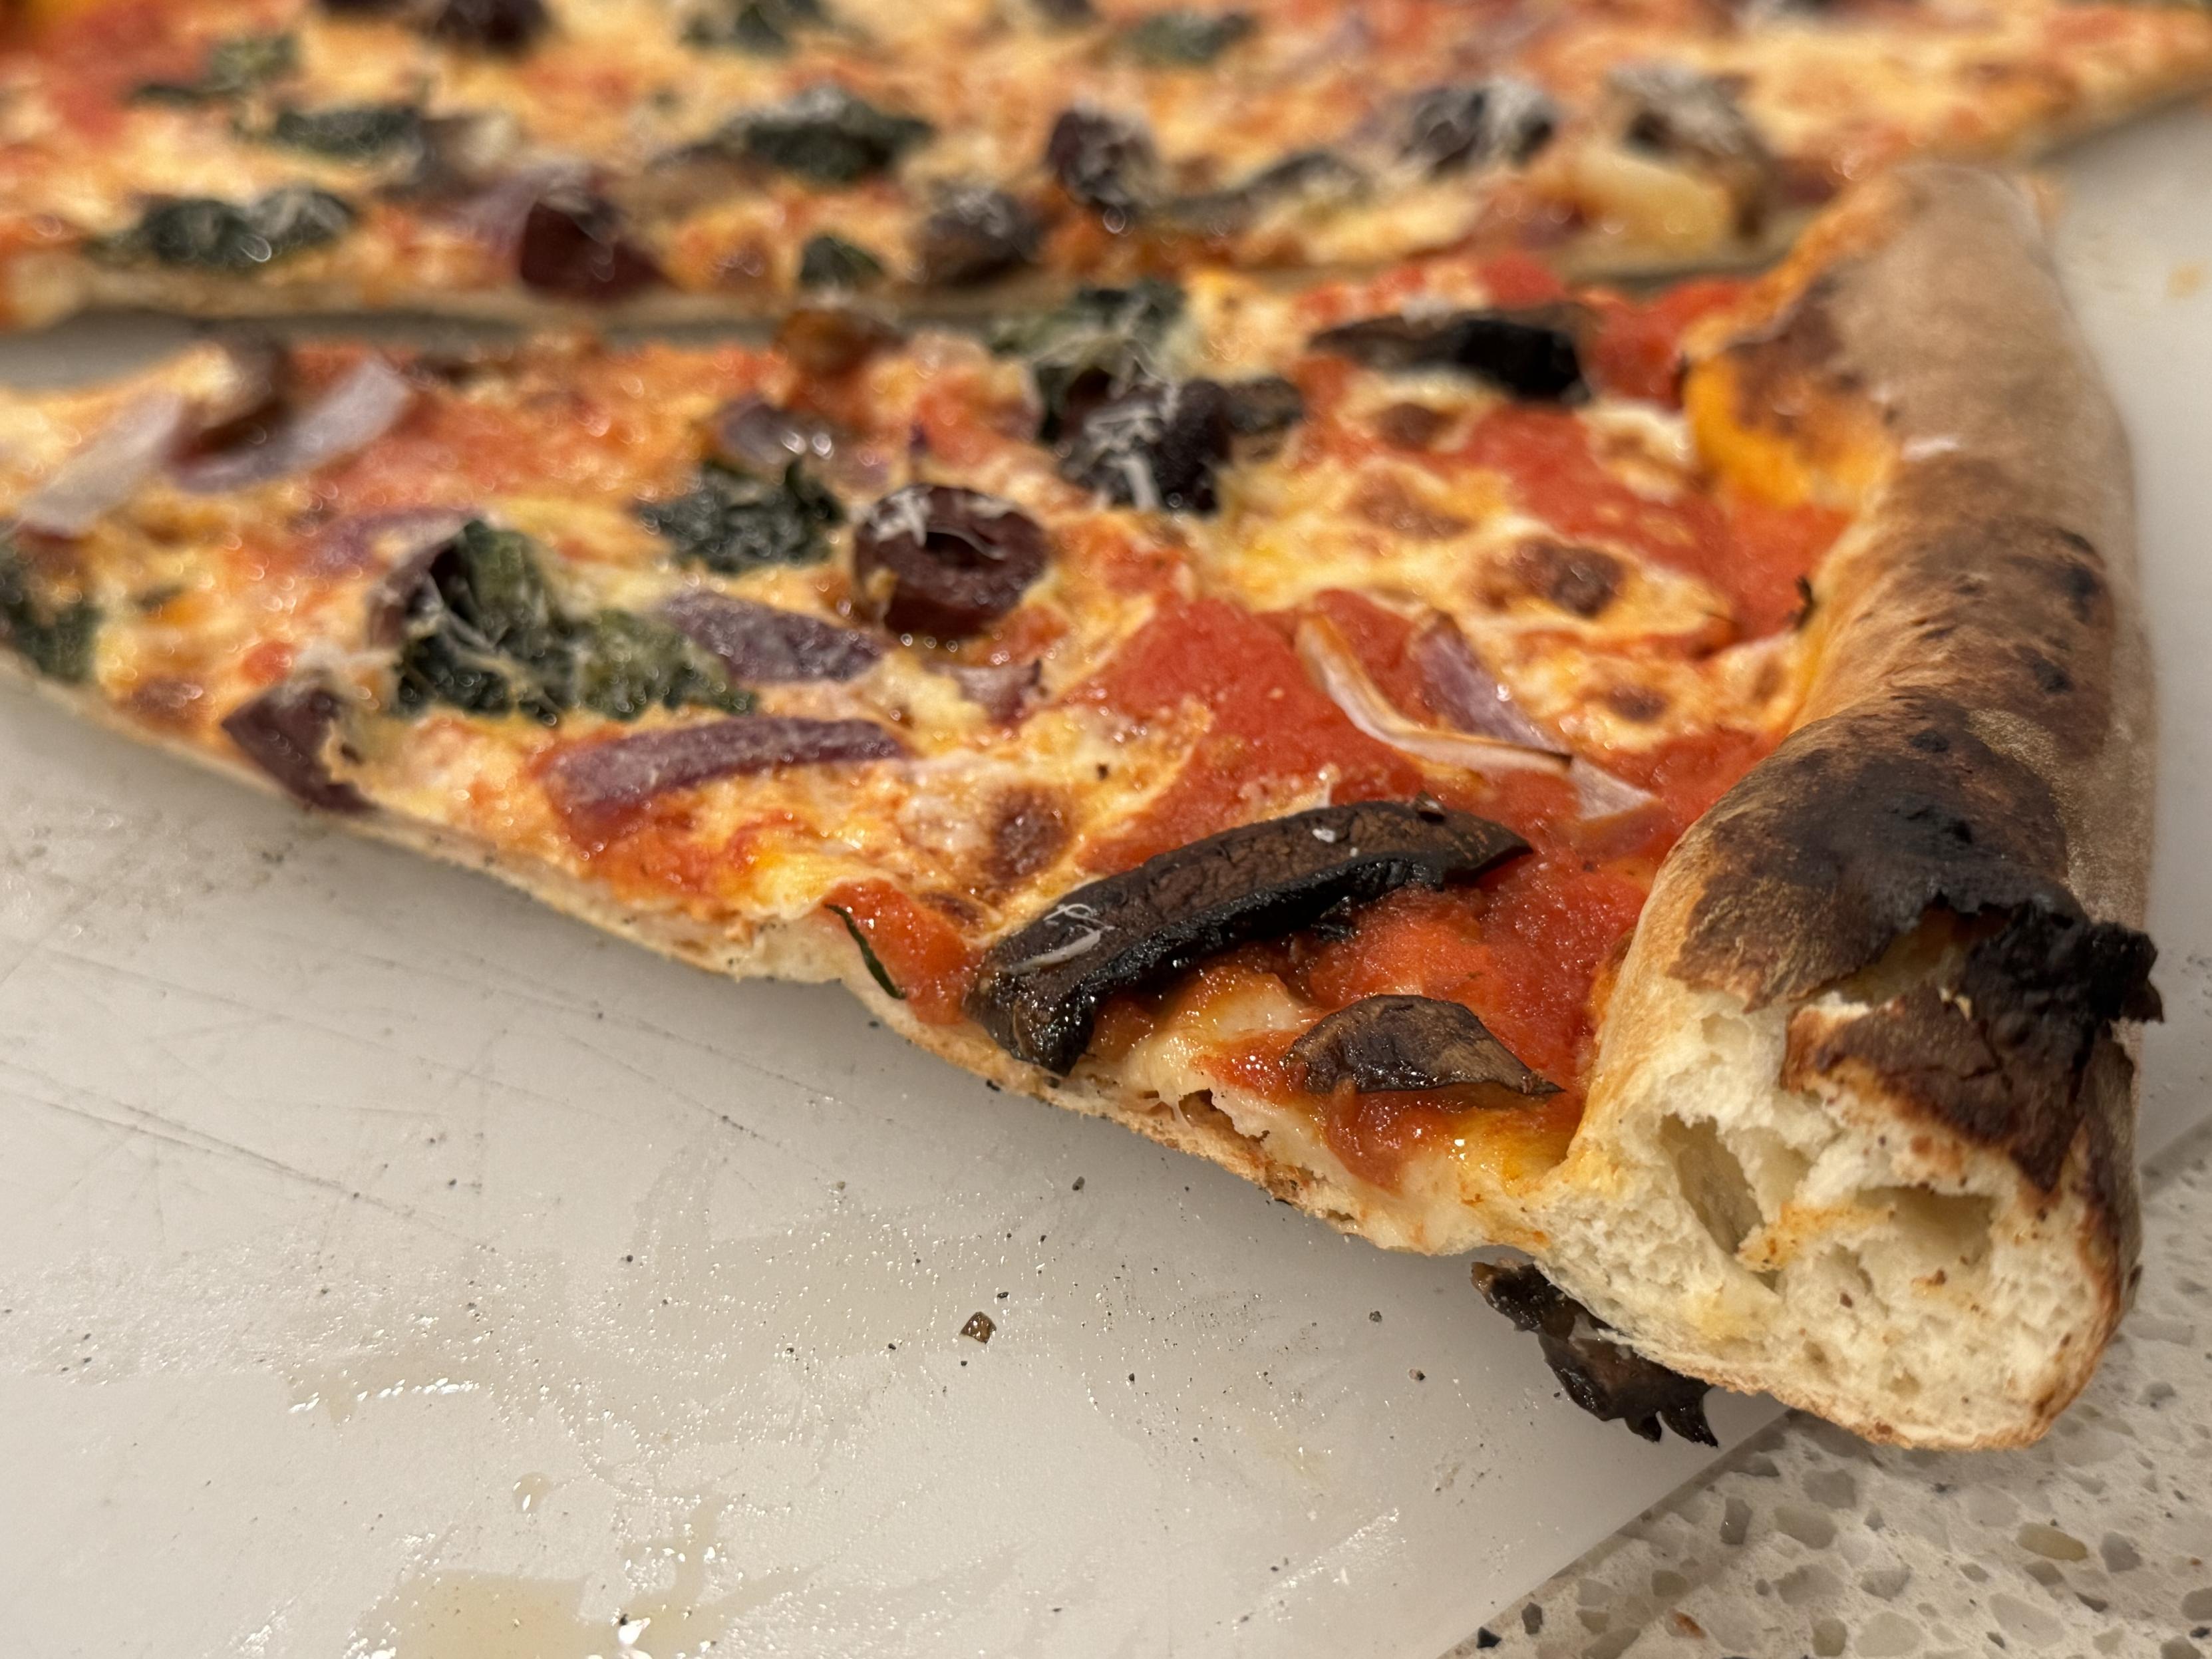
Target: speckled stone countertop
1808,1541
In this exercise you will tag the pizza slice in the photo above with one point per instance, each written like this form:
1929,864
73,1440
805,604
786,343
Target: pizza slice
1661,785
707,158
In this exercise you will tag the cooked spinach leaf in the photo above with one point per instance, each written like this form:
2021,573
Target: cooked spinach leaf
763,27
349,132
55,639
1095,345
203,232
869,959
826,135
1186,39
732,521
233,68
485,634
832,261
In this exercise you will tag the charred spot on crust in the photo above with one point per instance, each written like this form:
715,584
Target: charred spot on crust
942,562
1530,351
1583,580
1778,376
1040,988
285,731
2001,1053
1607,1378
1397,1042
1028,832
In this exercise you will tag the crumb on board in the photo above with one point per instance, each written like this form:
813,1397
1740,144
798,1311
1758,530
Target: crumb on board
978,1328
2185,279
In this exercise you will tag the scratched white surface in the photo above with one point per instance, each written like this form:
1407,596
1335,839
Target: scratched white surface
387,1266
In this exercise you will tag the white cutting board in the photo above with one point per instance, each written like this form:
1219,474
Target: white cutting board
388,1267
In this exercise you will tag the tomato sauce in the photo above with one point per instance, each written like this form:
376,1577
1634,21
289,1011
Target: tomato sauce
921,951
1637,349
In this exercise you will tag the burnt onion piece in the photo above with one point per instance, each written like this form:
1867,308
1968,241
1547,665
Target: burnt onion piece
1104,162
283,732
573,244
761,645
1394,1042
1040,989
604,780
956,559
1530,351
1154,446
1608,1379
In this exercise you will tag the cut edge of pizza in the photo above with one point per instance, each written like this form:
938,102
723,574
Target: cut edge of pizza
1857,1129
246,159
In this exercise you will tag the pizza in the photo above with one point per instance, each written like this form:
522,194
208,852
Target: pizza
1657,783
702,158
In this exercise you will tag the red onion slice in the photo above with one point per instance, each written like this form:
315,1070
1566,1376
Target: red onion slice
107,470
364,403
761,645
496,215
599,785
1465,692
1337,672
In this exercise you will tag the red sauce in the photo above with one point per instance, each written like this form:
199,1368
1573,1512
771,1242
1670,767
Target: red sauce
1382,641
1637,349
922,953
268,662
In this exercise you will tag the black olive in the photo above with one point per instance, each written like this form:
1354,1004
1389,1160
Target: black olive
1041,987
1264,405
1530,351
1154,446
499,25
975,234
1103,161
954,560
1450,128
573,245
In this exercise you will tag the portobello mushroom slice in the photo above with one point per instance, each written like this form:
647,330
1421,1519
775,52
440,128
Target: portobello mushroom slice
1606,1378
1392,1042
1039,990
1531,351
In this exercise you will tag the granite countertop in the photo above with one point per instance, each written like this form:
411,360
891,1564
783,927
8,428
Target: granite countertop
1808,1541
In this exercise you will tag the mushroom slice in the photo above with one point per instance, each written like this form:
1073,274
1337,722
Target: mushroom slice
1608,1379
1389,1042
1040,989
1531,352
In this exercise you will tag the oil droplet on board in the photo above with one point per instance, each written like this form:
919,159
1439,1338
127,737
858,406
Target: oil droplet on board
530,1492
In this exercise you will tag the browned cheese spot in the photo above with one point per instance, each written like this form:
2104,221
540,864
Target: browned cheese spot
1582,581
1028,832
1386,504
1411,426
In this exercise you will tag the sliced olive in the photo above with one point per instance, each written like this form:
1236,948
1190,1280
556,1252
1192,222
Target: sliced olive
573,244
1154,446
1449,129
1040,989
1529,351
1103,161
285,731
494,25
1608,1379
974,234
943,561
1387,1043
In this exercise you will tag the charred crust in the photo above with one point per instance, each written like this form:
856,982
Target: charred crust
1606,1377
1999,1052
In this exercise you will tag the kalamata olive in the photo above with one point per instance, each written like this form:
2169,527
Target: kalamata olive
501,26
975,234
1103,161
951,560
1155,446
573,245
